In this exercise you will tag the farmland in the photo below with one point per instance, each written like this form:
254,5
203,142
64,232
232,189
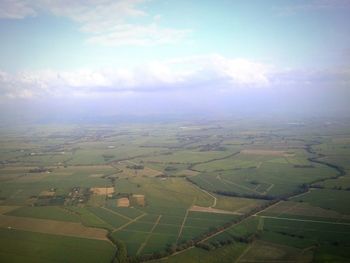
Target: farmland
176,192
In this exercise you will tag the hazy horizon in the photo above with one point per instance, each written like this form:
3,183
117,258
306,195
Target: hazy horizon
174,131
63,61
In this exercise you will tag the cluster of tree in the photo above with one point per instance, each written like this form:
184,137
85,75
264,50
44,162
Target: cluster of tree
301,189
318,186
245,195
209,246
336,187
340,188
171,249
170,168
215,244
50,200
121,254
340,170
191,165
303,166
171,175
40,170
108,157
211,147
135,166
290,234
112,177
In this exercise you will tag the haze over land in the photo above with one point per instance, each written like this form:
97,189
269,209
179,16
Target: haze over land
68,61
175,131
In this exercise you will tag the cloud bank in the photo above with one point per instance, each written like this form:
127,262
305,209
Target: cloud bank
213,73
201,72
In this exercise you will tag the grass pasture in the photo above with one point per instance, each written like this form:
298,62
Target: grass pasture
152,233
303,210
266,180
335,200
113,219
271,252
52,227
45,212
341,183
317,232
23,246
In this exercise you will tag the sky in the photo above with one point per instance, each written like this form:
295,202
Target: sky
61,58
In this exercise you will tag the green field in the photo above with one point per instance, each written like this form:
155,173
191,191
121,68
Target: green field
22,246
45,212
327,199
222,255
211,192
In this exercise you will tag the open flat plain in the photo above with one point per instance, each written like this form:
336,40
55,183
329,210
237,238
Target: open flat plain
210,192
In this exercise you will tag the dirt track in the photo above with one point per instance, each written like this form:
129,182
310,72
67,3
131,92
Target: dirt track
196,208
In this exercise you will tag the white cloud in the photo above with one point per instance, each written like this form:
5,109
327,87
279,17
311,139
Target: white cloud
106,22
209,73
238,72
180,74
242,71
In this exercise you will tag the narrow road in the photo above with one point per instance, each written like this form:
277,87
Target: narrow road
204,191
149,235
237,185
182,226
130,222
304,220
244,252
116,213
268,189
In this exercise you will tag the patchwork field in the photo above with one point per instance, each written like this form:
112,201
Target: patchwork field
176,192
